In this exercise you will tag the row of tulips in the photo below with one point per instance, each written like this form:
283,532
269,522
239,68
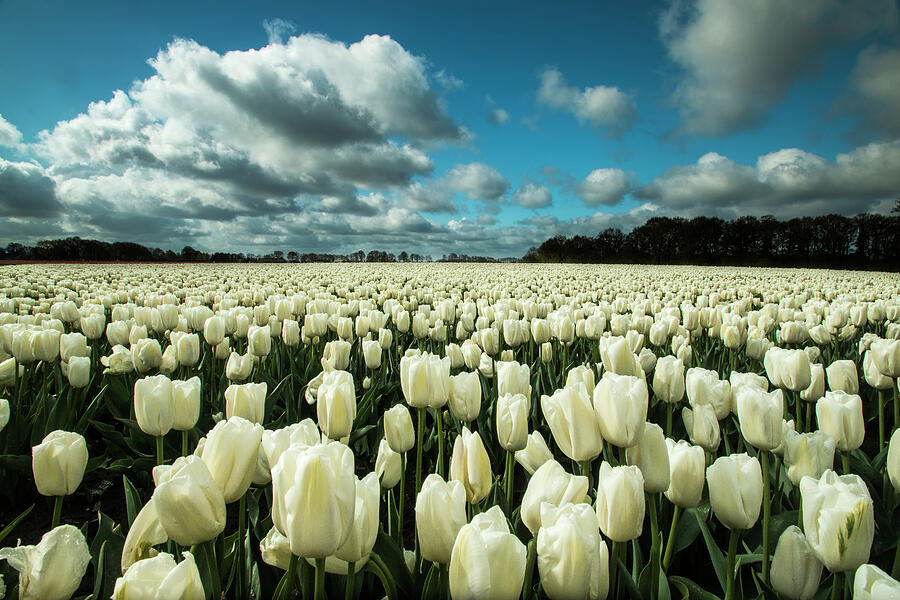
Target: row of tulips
295,416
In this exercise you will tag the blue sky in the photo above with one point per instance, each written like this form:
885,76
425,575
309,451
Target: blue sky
438,128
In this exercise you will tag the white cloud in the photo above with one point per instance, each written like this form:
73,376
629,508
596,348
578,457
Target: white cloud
498,116
9,134
605,108
876,79
741,58
278,29
603,186
434,197
533,195
478,180
449,82
26,191
786,183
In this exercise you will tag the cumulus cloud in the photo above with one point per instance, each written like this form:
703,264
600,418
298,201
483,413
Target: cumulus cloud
26,191
449,82
433,197
876,80
786,183
606,108
478,180
533,195
9,134
497,116
603,186
740,58
278,30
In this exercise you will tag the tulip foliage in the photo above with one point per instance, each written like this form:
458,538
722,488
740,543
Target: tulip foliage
443,431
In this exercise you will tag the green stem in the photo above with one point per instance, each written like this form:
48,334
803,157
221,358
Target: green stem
420,434
614,569
732,554
184,443
402,496
896,391
895,570
767,512
210,552
529,570
845,462
239,545
669,409
57,511
837,587
160,458
881,419
508,480
350,586
320,579
439,424
654,547
286,585
670,542
444,572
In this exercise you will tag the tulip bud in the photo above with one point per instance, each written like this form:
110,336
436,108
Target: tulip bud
72,344
8,369
425,380
189,504
362,536
119,361
231,453
145,532
45,345
470,465
840,415
871,583
336,355
465,396
314,498
154,405
145,578
336,404
186,396
620,402
808,454
388,465
440,513
668,379
618,357
540,331
546,352
581,374
303,434
146,355
735,490
371,354
512,421
259,340
704,387
842,376
816,387
214,330
58,463
702,426
838,519
620,502
78,371
315,324
117,333
788,369
893,459
238,366
795,571
487,560
550,483
760,416
535,453
513,378
572,558
873,376
651,456
887,356
573,422
51,570
187,349
169,359
223,350
275,550
398,429
247,401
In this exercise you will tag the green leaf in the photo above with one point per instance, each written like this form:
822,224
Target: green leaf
694,591
391,554
133,502
108,542
8,529
715,555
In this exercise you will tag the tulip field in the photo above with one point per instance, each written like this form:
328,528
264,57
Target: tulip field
448,431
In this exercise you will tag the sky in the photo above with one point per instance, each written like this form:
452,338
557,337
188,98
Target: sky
467,127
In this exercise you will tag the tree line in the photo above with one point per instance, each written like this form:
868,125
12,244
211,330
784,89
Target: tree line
866,241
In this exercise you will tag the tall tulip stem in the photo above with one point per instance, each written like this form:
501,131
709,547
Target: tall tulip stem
210,552
184,442
350,585
767,512
439,425
508,480
57,511
614,569
732,555
895,569
402,497
160,453
837,586
654,547
881,419
420,434
529,569
320,579
670,407
670,542
845,462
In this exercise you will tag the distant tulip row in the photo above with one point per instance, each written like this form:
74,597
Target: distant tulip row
540,403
